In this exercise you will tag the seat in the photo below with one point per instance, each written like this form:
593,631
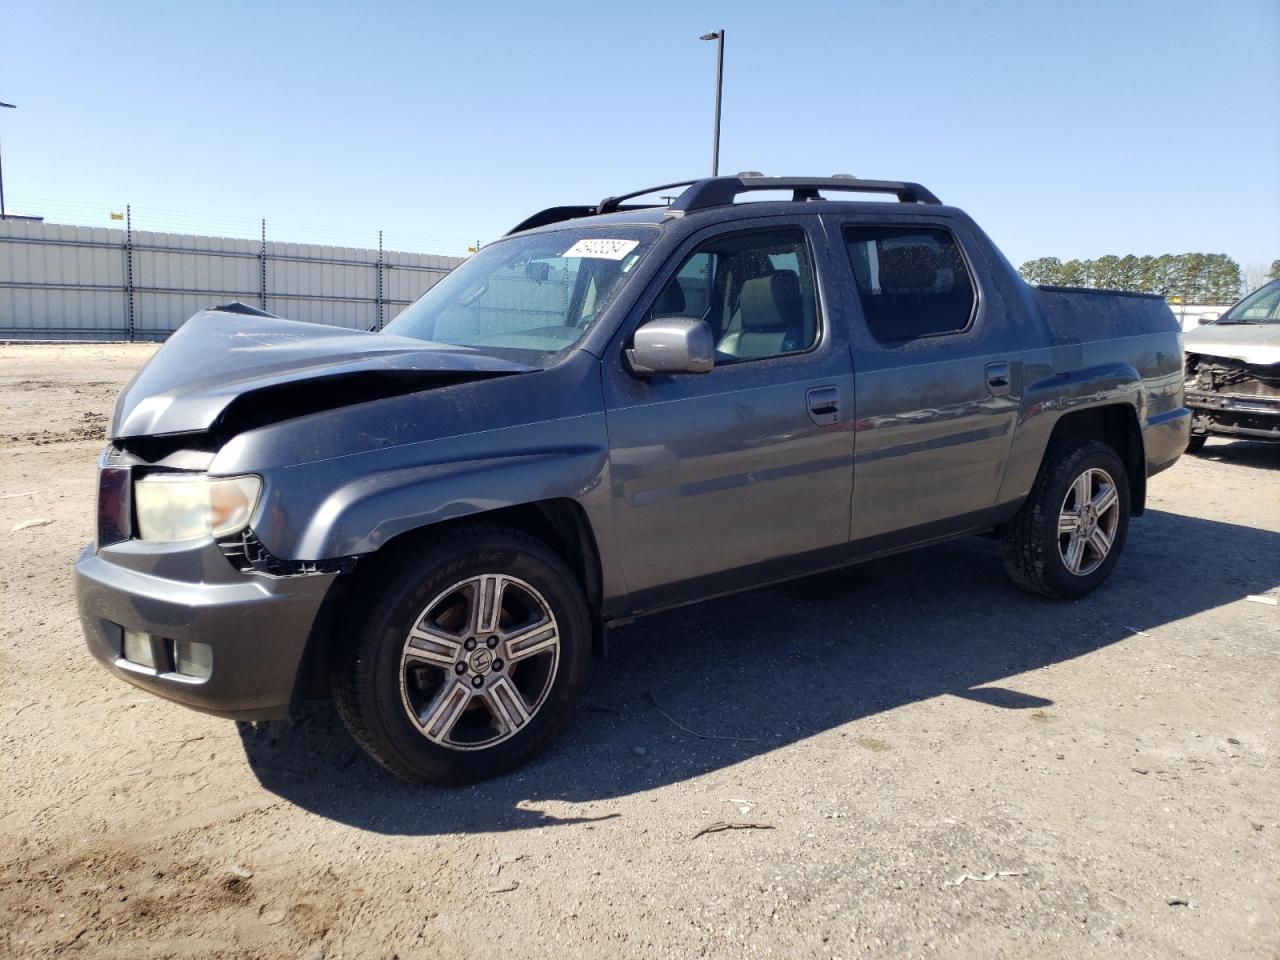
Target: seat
909,304
671,301
771,318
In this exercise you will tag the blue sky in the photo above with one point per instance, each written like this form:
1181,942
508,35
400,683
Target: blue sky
1067,129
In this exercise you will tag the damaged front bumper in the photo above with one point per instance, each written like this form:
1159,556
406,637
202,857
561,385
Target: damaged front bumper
1251,418
256,627
1230,397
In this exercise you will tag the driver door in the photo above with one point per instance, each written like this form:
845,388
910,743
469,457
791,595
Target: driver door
743,474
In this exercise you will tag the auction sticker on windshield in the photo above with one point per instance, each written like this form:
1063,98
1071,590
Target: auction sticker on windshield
601,248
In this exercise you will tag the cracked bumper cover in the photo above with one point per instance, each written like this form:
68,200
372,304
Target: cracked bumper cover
257,626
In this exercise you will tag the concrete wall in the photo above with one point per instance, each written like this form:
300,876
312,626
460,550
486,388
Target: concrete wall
92,283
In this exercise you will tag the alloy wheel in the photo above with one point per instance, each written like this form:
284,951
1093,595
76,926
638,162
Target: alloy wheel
479,662
1087,521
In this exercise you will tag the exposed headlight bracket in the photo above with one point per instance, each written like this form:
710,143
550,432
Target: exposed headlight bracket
247,554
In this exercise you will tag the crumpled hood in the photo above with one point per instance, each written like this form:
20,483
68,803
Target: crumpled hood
219,358
1253,343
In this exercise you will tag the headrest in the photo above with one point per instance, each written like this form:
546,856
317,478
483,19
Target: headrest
911,268
772,302
670,302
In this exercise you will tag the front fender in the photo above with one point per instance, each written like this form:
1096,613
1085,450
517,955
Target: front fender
352,505
342,482
361,516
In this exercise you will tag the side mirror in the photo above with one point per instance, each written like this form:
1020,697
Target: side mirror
677,345
1207,318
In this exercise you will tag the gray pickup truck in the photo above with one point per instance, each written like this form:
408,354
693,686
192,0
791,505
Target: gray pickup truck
613,410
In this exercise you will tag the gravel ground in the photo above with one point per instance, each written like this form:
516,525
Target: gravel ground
1105,770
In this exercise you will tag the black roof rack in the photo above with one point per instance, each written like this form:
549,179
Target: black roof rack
610,204
715,191
558,214
551,215
718,191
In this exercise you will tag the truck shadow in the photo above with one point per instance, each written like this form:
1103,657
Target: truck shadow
771,667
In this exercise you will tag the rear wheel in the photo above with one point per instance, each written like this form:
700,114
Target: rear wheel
1068,535
1196,443
469,659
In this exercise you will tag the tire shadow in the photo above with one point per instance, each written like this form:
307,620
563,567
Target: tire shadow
771,667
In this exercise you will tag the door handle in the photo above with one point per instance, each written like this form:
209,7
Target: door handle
824,405
998,378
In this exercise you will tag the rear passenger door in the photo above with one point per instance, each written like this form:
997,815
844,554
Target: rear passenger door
937,382
742,474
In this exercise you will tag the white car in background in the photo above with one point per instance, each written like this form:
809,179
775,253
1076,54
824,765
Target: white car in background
1233,371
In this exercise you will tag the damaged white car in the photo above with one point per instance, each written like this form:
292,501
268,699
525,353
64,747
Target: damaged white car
1233,371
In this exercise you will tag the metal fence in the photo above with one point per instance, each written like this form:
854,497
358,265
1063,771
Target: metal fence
60,282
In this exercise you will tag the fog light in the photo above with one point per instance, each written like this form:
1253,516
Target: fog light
192,659
137,649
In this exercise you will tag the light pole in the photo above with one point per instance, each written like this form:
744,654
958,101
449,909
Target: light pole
11,107
718,36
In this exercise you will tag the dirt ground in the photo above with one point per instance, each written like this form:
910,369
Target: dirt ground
1105,769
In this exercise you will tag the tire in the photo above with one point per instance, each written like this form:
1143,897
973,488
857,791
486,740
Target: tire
1197,442
1038,557
435,707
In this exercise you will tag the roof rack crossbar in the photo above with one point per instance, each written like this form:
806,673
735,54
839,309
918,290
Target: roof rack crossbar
717,191
610,204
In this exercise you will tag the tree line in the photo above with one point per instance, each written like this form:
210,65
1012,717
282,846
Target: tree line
1191,277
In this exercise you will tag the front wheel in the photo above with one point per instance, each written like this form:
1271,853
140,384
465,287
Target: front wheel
467,660
1067,537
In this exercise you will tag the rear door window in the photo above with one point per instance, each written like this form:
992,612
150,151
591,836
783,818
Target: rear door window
912,281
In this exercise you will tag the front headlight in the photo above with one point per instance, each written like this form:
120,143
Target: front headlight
185,506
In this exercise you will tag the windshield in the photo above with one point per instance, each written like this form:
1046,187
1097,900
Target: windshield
1261,306
529,298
